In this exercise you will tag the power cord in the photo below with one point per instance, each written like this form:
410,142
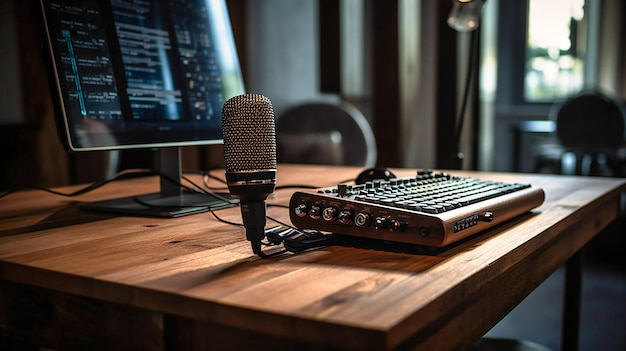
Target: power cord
86,189
204,189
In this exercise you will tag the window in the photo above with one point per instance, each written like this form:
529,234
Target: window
555,49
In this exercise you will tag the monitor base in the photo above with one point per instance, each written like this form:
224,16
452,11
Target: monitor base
154,205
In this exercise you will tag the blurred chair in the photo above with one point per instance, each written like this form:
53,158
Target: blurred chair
590,133
325,133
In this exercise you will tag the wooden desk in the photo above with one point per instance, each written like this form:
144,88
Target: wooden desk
72,279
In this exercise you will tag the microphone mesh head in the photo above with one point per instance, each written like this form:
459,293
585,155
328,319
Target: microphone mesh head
249,133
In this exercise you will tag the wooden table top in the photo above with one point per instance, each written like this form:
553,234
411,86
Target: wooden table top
340,297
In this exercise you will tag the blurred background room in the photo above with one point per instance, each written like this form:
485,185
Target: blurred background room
398,72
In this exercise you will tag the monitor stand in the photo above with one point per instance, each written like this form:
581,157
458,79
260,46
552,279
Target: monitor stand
171,201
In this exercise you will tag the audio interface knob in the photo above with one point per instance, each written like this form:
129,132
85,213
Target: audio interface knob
362,219
315,212
330,214
345,217
381,223
398,225
301,210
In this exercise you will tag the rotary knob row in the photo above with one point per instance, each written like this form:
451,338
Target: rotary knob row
329,214
346,216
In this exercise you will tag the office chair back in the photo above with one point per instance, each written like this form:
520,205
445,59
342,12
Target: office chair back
325,133
590,130
590,121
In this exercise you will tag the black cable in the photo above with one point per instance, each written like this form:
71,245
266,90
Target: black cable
278,205
209,208
256,244
297,186
210,192
257,248
86,189
281,223
209,175
223,220
120,176
206,175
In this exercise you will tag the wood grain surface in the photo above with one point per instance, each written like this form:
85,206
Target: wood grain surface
194,282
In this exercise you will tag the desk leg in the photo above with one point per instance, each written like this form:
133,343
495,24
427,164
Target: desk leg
572,303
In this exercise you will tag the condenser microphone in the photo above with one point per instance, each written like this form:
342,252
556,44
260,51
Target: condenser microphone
250,159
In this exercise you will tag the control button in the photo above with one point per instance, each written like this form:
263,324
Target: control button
315,212
330,214
358,188
342,190
360,197
486,217
388,202
301,210
362,219
429,209
398,225
381,223
466,222
345,216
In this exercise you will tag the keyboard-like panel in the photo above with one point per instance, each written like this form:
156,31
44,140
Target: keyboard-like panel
431,209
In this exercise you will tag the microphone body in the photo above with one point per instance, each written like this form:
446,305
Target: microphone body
250,159
252,188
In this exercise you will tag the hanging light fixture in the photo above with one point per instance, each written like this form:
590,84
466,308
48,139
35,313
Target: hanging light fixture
465,15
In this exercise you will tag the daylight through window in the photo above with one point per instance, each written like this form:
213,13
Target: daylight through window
554,49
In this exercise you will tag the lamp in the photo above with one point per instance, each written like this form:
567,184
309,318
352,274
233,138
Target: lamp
464,17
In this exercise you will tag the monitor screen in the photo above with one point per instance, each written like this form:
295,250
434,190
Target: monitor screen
142,73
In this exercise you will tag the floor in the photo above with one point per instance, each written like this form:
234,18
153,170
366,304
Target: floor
603,310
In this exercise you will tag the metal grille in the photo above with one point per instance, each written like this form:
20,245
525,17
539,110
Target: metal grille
249,133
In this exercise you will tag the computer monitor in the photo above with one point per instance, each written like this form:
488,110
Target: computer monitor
142,74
